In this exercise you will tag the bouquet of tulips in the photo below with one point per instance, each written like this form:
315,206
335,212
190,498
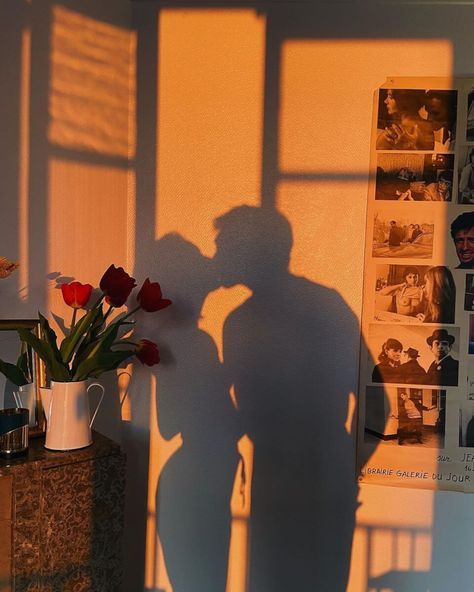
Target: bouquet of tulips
94,344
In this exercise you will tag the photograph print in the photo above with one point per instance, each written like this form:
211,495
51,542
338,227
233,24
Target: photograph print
399,416
470,116
466,424
466,175
471,335
461,241
470,380
413,354
414,177
421,417
414,294
416,119
469,292
403,233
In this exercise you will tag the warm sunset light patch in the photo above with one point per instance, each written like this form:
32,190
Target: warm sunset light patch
323,192
92,76
209,155
80,245
210,99
325,87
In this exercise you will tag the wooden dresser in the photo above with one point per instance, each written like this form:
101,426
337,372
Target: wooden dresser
61,519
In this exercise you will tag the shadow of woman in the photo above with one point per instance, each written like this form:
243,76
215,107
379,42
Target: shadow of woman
195,486
289,351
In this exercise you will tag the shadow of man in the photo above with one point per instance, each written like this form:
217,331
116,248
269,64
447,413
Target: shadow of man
195,486
289,351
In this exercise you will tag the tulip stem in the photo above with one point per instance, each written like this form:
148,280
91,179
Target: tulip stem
125,343
73,321
108,312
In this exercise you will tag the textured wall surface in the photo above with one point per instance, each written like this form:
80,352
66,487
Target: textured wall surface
269,106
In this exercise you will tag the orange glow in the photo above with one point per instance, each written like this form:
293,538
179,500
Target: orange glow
240,506
326,86
319,237
24,151
160,451
81,198
210,118
217,307
326,99
92,85
124,376
210,94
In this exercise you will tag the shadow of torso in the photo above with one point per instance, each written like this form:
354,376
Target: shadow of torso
289,352
195,486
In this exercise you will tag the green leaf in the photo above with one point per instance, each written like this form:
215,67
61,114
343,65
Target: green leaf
49,337
70,342
13,373
23,363
108,337
58,371
84,347
101,362
101,344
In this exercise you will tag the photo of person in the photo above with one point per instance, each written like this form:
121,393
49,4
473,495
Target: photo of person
440,109
398,292
421,293
413,372
469,293
444,369
439,296
414,354
389,364
400,125
466,424
466,175
462,233
405,416
415,119
414,177
402,236
421,417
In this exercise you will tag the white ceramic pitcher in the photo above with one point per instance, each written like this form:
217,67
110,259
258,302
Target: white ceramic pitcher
67,413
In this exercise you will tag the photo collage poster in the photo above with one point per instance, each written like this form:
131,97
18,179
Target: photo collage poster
416,391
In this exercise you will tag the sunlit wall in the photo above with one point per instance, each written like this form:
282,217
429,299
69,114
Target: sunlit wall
73,152
209,145
91,138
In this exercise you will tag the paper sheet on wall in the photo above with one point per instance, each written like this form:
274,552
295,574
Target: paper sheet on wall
416,410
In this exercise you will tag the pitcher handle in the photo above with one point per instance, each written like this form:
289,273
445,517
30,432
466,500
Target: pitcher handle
100,400
16,396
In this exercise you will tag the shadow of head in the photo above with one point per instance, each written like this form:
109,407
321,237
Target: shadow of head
186,277
249,239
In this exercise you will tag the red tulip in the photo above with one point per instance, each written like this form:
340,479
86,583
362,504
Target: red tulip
116,284
150,297
147,352
76,294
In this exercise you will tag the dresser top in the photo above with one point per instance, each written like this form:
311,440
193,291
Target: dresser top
39,457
